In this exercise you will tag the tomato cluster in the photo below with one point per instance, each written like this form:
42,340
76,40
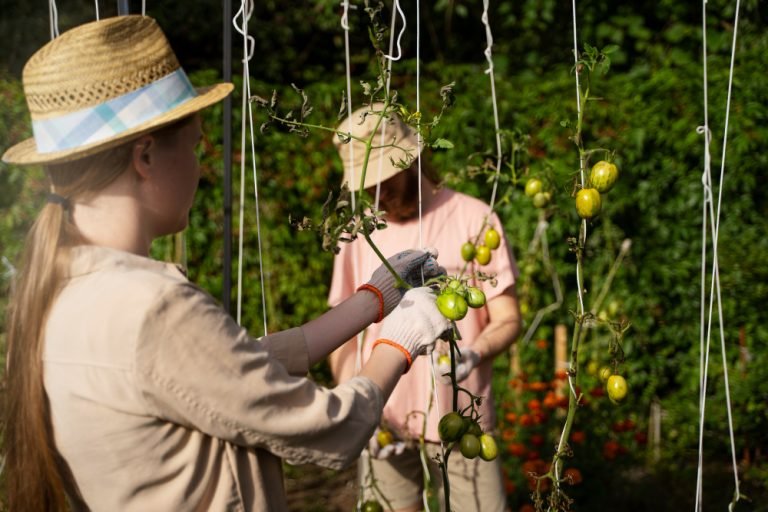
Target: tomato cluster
473,442
602,177
456,298
481,252
535,189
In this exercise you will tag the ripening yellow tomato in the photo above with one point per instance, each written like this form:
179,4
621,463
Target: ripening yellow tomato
588,203
483,255
603,176
492,239
617,388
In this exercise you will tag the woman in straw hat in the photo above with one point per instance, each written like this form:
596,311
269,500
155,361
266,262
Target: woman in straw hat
448,220
128,387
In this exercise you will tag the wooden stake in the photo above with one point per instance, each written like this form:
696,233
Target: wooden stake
561,355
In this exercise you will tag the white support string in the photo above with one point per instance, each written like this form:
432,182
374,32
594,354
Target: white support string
581,167
489,56
53,17
246,10
576,71
350,146
583,229
419,142
715,292
707,192
97,10
143,7
384,125
400,35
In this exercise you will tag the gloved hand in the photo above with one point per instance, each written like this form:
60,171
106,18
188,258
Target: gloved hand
408,265
465,364
415,324
383,444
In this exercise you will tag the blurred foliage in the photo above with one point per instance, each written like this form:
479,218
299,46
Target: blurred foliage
651,103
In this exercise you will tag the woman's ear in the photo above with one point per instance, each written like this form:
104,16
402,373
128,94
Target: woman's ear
141,155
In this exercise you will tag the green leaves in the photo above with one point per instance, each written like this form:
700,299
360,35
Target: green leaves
441,143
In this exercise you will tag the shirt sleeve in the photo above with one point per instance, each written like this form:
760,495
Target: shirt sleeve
196,367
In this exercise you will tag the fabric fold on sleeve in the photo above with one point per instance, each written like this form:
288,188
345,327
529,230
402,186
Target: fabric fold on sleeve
198,368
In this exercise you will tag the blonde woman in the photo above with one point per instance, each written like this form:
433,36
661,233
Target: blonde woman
129,388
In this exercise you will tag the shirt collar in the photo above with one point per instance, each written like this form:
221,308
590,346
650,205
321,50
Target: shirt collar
86,259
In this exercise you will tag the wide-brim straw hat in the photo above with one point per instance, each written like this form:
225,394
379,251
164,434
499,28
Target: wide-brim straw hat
101,84
395,145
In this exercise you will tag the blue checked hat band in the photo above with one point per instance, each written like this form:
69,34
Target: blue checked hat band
115,116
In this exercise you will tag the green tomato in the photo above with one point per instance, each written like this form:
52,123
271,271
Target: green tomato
588,203
372,506
492,239
533,186
458,287
605,373
603,176
468,251
617,388
475,297
452,305
489,450
472,427
469,446
451,427
541,199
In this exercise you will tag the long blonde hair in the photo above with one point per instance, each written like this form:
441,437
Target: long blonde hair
38,478
36,475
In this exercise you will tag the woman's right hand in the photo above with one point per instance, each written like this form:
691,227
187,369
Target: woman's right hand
411,266
415,324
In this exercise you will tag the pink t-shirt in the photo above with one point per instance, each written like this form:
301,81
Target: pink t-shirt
452,219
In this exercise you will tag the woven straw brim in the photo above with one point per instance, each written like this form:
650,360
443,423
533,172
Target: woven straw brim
25,153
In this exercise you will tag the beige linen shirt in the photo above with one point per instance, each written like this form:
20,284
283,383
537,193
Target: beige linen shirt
161,402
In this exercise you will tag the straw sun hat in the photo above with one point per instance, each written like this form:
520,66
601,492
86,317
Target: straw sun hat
102,84
400,140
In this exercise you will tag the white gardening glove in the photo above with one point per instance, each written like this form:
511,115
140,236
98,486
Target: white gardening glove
408,265
415,323
467,361
383,444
